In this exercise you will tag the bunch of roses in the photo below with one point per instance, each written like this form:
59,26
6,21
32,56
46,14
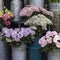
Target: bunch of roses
16,35
30,9
6,16
51,38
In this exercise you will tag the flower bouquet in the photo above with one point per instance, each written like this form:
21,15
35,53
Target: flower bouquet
50,42
18,36
36,18
5,17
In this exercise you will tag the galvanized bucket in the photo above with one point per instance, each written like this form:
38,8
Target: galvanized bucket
54,6
38,3
16,6
1,5
19,52
4,51
54,55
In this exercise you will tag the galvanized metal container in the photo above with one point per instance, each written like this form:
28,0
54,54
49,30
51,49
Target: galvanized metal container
54,6
54,55
1,5
16,6
4,51
19,52
38,3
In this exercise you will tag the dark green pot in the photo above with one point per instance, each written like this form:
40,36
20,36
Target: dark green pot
34,51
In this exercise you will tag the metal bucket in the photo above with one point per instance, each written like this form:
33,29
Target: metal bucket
38,3
54,55
4,51
54,6
16,6
1,5
19,52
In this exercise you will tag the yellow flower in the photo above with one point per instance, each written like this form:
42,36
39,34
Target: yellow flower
10,13
1,14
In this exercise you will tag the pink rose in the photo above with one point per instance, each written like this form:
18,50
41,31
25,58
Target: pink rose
54,33
49,40
56,40
49,34
42,41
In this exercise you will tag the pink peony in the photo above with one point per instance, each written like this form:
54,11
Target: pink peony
42,41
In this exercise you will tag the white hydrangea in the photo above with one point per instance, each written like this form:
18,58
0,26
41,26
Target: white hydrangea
39,20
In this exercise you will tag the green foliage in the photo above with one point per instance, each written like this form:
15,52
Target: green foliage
54,1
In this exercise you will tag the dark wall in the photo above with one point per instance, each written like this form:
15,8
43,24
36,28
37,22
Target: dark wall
7,3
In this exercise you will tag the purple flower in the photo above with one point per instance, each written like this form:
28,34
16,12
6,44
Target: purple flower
25,33
28,30
16,39
20,35
17,29
7,34
5,30
22,29
33,32
11,30
14,34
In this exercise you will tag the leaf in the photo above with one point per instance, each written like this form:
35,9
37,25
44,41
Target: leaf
8,40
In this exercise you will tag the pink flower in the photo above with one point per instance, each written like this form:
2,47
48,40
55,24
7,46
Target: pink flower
59,34
26,11
49,40
6,16
57,44
56,40
54,33
46,12
42,41
7,23
49,34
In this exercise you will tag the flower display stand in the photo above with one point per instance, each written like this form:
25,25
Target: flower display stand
38,3
19,52
34,51
54,55
4,50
